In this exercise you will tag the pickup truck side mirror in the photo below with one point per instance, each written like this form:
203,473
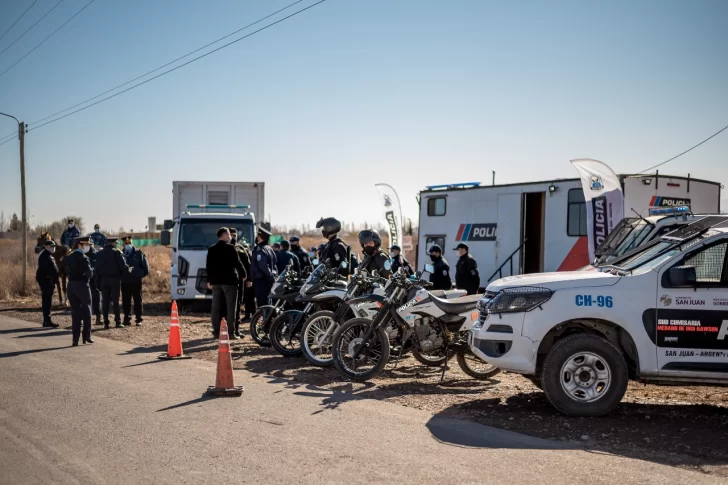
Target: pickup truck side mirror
165,238
168,224
683,277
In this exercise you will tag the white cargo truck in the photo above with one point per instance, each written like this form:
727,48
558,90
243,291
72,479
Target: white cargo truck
539,226
199,210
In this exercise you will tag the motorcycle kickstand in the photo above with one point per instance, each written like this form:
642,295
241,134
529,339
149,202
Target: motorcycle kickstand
399,356
444,364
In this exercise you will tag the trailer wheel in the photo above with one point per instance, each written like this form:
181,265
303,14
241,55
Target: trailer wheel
584,375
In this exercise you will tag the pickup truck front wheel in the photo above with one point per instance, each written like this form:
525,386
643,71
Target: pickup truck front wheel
584,375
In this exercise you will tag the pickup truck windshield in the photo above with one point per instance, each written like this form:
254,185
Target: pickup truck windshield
202,233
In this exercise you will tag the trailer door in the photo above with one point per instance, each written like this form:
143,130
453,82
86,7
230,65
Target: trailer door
508,236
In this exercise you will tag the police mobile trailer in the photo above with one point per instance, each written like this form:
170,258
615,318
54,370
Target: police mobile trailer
658,315
539,226
199,210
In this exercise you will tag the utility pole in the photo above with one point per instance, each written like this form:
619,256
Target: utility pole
21,134
22,128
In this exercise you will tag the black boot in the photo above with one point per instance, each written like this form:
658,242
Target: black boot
88,341
98,320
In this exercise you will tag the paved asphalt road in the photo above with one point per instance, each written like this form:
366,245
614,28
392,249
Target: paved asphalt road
101,414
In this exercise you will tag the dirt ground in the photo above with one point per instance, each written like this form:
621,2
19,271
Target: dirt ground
679,426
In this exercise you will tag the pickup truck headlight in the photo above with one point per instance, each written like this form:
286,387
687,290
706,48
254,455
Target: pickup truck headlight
519,299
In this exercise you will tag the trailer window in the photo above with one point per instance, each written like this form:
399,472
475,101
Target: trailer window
576,213
432,240
436,206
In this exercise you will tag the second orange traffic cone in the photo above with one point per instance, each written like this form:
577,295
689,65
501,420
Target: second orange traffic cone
224,382
174,347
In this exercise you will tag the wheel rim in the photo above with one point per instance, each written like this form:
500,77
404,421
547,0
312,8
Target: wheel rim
317,343
477,365
586,377
367,359
283,335
258,326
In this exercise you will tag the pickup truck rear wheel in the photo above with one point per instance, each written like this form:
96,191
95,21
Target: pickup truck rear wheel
584,375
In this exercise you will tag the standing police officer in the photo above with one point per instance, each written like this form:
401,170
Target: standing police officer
110,268
374,256
131,282
440,277
336,250
244,256
302,255
98,238
263,267
79,271
92,256
399,261
46,276
466,271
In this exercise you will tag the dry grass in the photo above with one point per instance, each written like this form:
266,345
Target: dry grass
11,269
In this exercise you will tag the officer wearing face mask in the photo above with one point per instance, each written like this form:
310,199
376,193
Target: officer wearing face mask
336,251
79,271
69,234
244,255
131,282
303,257
374,256
98,238
263,267
466,270
46,276
399,261
440,277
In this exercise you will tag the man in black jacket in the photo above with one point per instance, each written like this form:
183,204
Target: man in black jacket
46,276
466,273
244,255
302,255
110,268
374,256
80,273
224,272
399,261
131,282
285,256
440,277
336,251
263,270
92,256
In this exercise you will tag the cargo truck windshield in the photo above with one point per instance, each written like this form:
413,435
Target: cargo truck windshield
202,233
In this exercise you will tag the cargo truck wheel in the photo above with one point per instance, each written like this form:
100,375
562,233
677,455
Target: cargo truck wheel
584,375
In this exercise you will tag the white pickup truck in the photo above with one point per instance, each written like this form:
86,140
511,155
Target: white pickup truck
660,315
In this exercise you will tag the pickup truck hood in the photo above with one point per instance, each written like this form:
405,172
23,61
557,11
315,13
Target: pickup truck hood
556,281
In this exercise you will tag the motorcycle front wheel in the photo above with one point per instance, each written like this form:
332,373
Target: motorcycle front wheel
259,322
284,333
370,360
476,368
316,338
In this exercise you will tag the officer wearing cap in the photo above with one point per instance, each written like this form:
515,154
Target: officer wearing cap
98,238
440,276
46,276
69,234
466,270
131,282
263,267
399,261
92,256
110,268
302,255
79,271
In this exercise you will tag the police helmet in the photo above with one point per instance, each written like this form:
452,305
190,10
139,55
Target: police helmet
329,226
368,235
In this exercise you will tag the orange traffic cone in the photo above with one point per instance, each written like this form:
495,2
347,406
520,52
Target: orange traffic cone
224,383
174,347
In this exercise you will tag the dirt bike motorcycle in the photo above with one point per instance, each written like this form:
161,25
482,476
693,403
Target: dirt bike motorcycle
323,290
283,294
364,297
361,347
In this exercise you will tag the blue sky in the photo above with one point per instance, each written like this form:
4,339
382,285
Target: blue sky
350,93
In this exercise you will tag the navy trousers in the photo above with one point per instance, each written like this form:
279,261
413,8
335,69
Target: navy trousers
79,297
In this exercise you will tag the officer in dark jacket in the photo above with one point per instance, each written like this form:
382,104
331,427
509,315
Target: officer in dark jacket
374,256
466,271
263,267
46,276
244,255
98,238
80,273
70,234
399,261
131,282
336,250
92,256
302,255
440,277
285,256
225,271
110,269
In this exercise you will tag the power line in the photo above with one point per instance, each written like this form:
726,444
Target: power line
164,65
44,40
18,20
177,67
683,153
31,27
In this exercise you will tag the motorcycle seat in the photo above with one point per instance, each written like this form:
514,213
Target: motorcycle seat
449,294
458,305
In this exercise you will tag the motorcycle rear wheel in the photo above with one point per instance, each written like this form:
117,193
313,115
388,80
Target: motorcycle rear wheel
283,338
434,359
258,324
370,361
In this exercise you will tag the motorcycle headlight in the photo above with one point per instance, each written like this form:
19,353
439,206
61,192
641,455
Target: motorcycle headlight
519,299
